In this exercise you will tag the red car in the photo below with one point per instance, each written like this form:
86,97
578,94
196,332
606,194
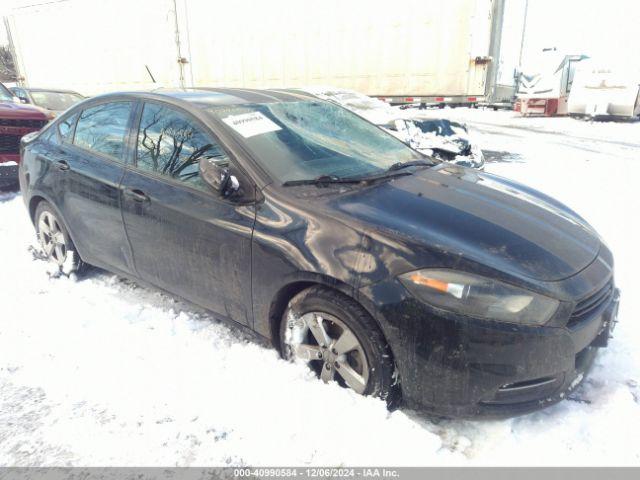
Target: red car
16,120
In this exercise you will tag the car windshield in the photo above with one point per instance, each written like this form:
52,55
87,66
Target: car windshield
5,94
308,139
55,100
439,127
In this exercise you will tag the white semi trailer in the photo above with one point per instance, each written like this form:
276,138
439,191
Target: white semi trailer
407,51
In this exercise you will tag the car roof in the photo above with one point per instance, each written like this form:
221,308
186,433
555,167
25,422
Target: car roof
206,97
54,90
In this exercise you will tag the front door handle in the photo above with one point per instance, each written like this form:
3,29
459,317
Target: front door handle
62,165
137,195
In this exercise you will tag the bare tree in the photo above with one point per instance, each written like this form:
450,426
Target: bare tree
7,67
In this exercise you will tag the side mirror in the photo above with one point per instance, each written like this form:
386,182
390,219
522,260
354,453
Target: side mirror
218,177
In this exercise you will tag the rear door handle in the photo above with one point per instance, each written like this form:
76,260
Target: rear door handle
62,165
137,195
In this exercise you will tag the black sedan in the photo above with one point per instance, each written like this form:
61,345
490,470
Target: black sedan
434,285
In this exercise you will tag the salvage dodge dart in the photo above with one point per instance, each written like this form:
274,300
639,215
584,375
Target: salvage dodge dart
396,275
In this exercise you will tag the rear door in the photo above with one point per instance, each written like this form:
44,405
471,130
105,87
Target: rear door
186,239
91,167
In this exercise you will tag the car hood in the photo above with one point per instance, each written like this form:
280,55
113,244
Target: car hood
19,111
484,218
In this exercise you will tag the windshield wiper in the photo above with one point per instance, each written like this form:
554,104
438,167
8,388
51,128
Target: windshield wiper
414,163
321,180
392,171
395,170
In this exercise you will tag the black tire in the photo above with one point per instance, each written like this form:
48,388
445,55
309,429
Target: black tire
70,261
381,382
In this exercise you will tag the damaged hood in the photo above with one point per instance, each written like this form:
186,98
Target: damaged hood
451,144
484,218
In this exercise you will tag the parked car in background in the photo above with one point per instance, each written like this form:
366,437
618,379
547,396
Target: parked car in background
393,274
53,101
441,138
437,137
16,120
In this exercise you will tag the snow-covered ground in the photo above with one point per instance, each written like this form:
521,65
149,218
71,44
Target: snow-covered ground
103,372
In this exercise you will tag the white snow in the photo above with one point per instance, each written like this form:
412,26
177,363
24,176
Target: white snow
102,372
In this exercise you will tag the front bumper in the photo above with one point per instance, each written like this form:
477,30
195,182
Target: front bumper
8,173
459,366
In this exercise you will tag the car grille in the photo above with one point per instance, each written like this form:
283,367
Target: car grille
19,122
589,304
9,143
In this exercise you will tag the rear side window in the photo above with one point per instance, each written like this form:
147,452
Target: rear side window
172,144
65,127
103,128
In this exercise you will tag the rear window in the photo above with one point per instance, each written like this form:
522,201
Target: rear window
103,128
55,100
439,127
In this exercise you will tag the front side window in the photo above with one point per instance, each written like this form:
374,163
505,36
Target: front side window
103,128
172,144
309,139
65,127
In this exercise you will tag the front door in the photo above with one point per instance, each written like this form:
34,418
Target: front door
186,239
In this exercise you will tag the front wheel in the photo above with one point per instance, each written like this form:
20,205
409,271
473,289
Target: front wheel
340,341
55,241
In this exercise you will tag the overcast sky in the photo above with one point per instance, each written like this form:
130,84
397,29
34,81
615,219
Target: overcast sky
607,30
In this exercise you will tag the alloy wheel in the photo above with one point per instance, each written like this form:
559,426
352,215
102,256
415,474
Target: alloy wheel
330,348
52,238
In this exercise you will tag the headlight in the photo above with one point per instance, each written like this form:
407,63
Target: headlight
479,296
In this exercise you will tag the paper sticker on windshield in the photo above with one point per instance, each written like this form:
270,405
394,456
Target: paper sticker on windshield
251,124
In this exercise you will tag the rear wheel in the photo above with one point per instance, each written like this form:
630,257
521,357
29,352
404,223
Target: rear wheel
55,241
338,339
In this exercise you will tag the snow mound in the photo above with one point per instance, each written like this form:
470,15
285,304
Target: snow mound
99,371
